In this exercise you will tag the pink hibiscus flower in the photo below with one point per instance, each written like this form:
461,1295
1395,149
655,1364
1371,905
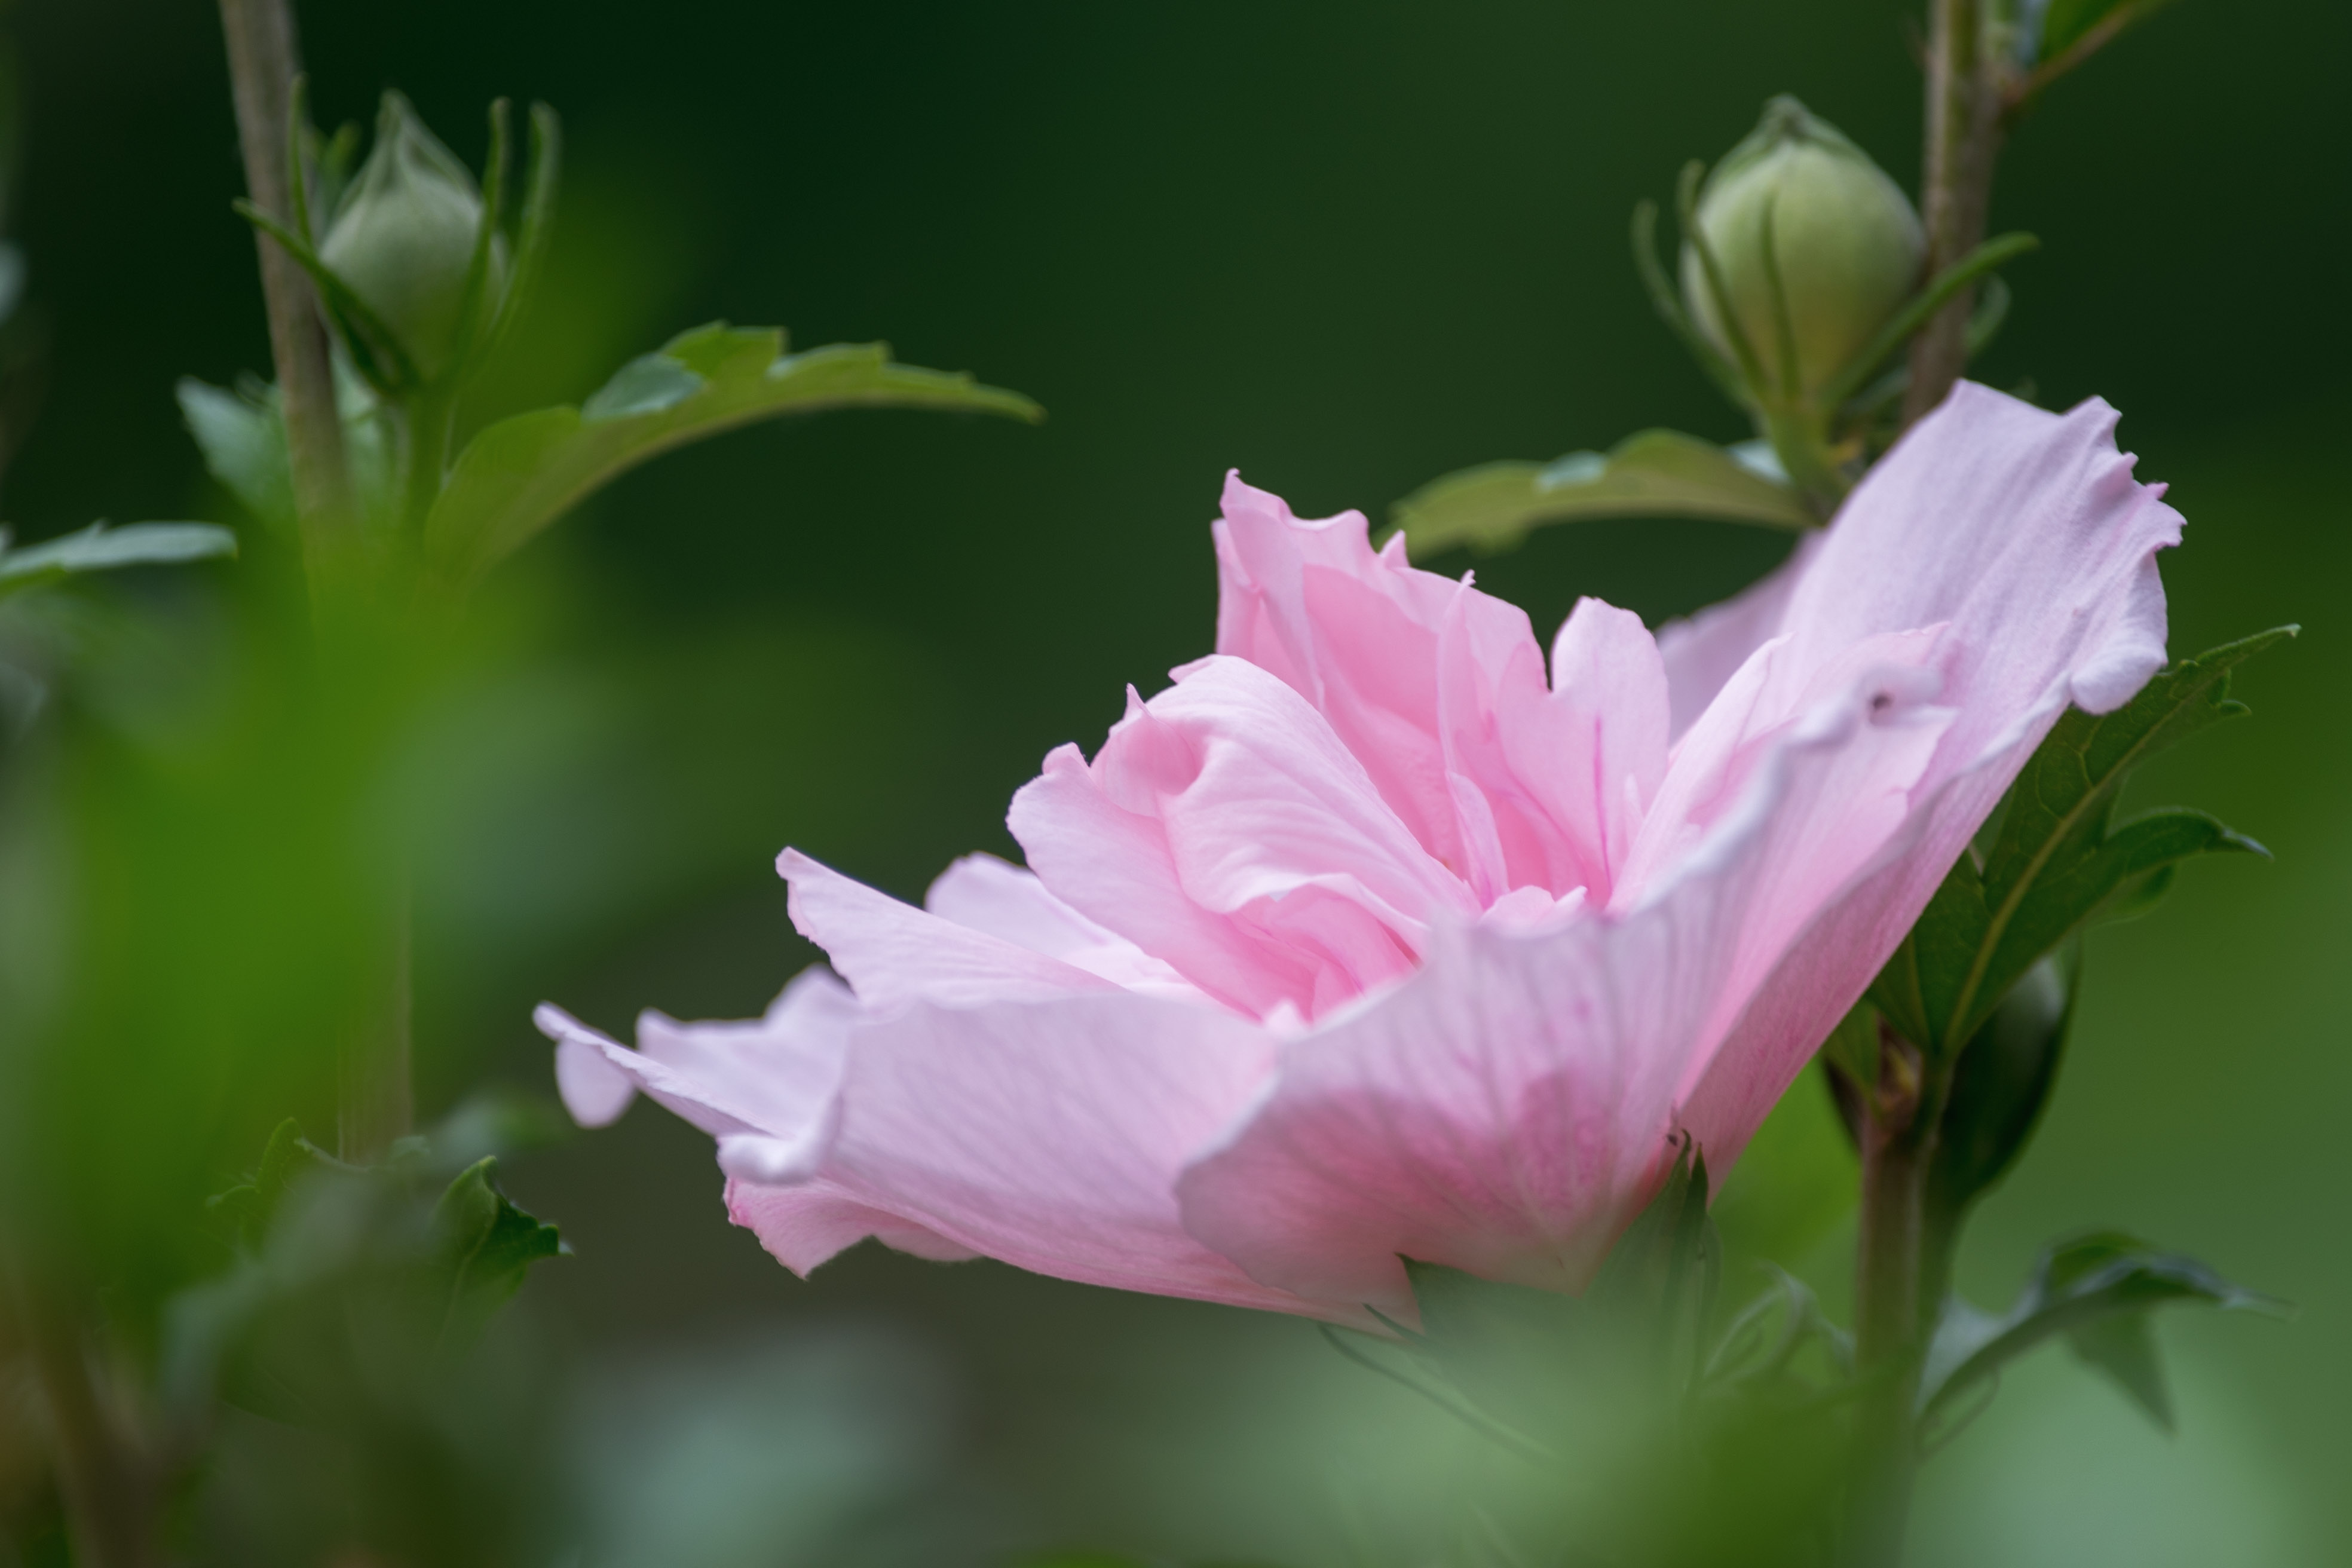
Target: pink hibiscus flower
1364,940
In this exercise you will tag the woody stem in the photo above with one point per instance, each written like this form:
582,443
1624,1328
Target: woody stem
1964,133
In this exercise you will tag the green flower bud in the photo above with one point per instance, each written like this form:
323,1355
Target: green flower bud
1846,242
402,239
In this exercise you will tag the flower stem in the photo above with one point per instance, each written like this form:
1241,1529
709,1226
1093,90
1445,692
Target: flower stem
1965,108
1900,1269
263,61
373,1094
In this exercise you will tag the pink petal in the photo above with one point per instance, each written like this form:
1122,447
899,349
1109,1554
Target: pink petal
772,1079
1595,743
892,952
1225,828
989,895
1702,652
1506,1110
1049,1134
810,1223
1410,669
2025,534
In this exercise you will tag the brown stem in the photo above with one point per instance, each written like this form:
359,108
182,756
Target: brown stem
1965,103
263,61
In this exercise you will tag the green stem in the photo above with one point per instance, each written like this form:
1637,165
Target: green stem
1901,1265
1964,129
422,426
374,1100
1796,437
375,1097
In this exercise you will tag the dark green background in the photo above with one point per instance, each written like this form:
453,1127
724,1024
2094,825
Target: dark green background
1343,249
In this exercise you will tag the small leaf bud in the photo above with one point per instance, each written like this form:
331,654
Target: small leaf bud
402,238
1846,242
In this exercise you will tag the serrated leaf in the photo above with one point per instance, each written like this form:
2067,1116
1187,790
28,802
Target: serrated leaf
2076,1287
487,1245
2058,857
519,475
1652,473
244,446
99,548
1914,991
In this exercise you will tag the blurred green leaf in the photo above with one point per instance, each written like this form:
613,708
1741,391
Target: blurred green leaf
2124,1347
1766,1339
244,445
518,476
487,1243
1652,473
99,548
1530,1358
249,1209
2080,1289
2057,859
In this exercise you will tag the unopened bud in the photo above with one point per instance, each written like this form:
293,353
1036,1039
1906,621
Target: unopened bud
1846,242
402,238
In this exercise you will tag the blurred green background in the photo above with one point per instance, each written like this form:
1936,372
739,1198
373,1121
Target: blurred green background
1343,247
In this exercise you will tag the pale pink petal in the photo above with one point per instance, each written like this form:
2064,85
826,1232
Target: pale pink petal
2024,533
1702,652
811,1222
772,1079
594,1090
892,952
1049,1134
1225,828
989,895
1410,669
1506,1110
1594,745
683,1095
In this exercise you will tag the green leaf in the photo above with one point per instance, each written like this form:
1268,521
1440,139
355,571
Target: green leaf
2057,857
2000,1085
1653,473
2080,1289
519,475
2124,1347
2064,24
487,1245
99,548
244,445
1852,1046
